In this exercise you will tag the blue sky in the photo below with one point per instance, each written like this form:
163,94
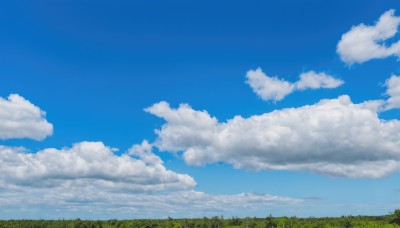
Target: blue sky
99,70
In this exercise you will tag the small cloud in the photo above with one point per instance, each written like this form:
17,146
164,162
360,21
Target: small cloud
393,91
19,118
144,152
268,88
313,80
363,42
274,88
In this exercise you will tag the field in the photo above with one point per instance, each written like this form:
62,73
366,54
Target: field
386,221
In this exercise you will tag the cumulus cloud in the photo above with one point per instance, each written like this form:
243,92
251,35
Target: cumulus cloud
144,153
90,179
393,91
89,164
363,42
21,119
333,137
274,88
268,88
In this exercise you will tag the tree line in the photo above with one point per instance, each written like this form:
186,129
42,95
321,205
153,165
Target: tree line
386,221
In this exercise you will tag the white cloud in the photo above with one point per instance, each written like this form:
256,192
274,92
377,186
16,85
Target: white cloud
274,88
334,137
144,153
95,202
313,80
393,91
268,88
89,164
90,181
363,43
21,119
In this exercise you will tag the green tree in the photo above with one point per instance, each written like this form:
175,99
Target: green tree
270,223
396,216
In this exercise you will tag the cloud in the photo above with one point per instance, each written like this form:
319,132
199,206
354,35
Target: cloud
89,164
21,119
332,137
71,202
313,80
393,91
90,181
144,153
363,43
274,88
268,88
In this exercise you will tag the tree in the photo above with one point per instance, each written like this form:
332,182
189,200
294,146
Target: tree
216,222
396,216
235,221
270,223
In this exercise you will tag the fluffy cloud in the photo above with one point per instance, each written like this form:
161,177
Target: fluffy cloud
21,119
90,180
89,164
313,80
363,43
268,88
274,88
334,137
393,91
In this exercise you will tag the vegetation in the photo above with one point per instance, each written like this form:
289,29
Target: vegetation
387,221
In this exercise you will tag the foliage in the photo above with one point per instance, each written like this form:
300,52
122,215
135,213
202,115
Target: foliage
387,221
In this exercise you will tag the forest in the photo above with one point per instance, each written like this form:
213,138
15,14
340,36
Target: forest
386,221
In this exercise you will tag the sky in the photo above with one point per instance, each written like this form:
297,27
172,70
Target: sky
149,109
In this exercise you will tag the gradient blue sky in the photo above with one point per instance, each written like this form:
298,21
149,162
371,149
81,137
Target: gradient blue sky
94,66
